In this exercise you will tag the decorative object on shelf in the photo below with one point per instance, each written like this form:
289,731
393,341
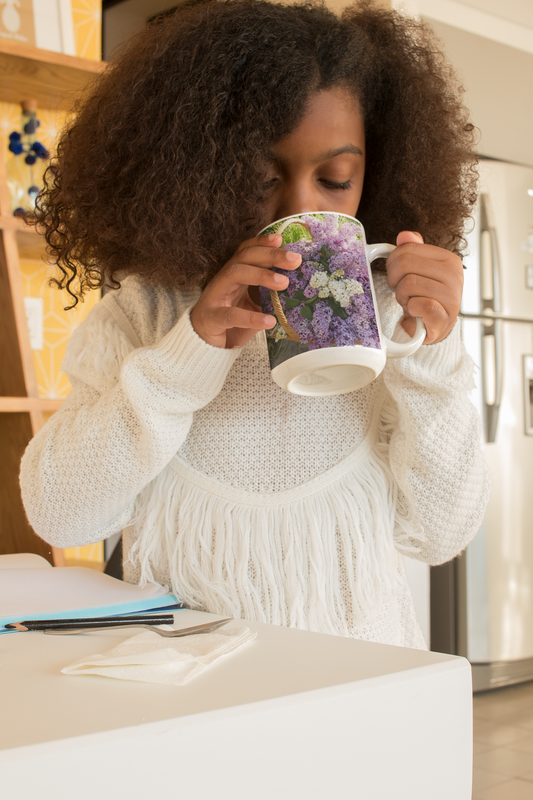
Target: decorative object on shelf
26,166
16,21
46,24
72,27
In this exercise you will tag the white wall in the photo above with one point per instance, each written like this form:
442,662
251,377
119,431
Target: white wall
498,81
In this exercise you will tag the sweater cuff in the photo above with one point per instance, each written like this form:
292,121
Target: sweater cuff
196,363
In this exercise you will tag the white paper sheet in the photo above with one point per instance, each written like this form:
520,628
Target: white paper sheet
28,593
23,561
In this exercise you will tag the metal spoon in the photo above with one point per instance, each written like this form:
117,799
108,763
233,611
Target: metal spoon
206,627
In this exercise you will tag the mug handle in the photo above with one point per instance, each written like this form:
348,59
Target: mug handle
395,349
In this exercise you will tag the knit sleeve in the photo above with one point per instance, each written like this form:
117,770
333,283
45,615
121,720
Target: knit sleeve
435,446
128,413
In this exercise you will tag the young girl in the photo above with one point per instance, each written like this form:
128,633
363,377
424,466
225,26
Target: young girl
249,501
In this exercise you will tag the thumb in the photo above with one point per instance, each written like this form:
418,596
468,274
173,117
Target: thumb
409,236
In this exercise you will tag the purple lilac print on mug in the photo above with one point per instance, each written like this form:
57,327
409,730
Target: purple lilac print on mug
328,302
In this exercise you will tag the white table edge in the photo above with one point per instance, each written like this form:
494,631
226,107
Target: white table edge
154,728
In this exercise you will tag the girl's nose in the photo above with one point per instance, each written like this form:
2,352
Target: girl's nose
296,199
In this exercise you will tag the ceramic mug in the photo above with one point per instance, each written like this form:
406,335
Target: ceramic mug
328,338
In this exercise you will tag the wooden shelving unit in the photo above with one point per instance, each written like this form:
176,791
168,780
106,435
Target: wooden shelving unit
55,81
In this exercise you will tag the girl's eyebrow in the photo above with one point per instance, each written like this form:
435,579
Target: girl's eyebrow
338,151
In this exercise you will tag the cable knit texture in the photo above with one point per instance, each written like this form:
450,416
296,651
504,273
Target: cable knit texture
250,501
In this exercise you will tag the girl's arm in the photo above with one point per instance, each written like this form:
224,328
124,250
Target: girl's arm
127,415
435,447
131,407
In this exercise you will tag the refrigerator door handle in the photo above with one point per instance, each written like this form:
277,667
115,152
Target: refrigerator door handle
492,378
490,272
492,338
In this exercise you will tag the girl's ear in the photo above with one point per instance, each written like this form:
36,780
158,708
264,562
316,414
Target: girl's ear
409,236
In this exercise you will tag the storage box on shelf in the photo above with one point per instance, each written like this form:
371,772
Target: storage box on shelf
55,80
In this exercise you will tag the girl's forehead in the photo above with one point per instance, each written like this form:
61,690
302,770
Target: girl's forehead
331,125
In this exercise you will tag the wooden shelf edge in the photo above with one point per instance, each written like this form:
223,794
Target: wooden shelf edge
11,224
17,224
30,53
18,404
31,245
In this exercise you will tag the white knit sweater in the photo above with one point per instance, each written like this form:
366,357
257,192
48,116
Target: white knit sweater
252,502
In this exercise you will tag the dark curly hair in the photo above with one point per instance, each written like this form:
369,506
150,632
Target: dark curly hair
162,171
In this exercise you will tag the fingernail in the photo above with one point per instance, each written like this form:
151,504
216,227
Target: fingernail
292,256
272,236
270,321
280,278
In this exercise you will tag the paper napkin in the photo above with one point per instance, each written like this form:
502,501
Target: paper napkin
150,658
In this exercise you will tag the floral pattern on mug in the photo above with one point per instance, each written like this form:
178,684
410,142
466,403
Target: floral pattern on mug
328,302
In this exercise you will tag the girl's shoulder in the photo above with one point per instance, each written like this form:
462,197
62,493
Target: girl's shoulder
133,316
146,313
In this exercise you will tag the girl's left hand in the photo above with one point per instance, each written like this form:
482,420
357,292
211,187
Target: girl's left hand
428,282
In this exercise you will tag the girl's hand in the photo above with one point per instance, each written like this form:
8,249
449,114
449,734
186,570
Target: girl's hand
428,282
225,315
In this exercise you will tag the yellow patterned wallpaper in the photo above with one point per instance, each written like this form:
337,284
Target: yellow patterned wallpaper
58,324
87,19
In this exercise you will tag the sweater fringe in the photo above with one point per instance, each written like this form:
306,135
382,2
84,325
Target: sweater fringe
320,556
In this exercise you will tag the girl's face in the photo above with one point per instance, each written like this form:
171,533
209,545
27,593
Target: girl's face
320,166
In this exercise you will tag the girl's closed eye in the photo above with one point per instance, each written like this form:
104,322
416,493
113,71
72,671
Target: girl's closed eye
270,182
336,184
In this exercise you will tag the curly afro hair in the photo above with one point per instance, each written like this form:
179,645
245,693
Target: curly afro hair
161,172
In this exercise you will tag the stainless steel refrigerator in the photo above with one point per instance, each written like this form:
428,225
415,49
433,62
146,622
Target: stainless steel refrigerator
486,598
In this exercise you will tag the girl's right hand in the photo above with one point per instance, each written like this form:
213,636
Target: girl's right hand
225,315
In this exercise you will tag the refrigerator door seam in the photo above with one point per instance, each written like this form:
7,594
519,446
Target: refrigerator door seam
489,316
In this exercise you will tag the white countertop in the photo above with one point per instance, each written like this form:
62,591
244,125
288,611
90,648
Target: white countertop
297,714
